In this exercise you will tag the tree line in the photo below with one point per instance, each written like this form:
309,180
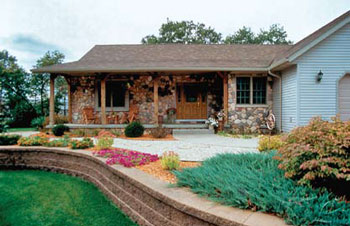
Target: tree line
188,32
25,96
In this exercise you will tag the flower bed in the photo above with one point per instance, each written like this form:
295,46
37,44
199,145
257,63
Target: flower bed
127,158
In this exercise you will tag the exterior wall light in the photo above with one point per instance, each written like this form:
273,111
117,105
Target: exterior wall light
319,76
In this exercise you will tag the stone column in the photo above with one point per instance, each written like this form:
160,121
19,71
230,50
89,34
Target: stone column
156,102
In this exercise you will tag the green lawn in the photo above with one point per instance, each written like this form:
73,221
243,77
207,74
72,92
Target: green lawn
20,129
43,198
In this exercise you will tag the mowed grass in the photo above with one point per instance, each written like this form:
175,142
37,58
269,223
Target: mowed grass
44,198
21,129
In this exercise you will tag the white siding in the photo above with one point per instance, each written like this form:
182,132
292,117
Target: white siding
276,97
332,57
289,99
344,98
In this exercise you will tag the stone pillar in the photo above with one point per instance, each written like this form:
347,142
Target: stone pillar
156,101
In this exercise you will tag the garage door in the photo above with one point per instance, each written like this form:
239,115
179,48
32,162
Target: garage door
344,98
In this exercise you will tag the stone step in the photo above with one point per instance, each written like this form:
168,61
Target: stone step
192,131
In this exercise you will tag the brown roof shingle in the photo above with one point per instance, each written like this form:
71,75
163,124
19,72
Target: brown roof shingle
108,58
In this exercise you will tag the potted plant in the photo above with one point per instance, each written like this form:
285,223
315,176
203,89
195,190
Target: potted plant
213,123
171,115
221,118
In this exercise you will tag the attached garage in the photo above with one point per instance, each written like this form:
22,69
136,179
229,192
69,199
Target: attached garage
344,97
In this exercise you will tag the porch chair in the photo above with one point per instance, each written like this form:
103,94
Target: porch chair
89,115
133,113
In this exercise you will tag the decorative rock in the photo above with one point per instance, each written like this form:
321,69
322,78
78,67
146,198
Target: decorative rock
237,121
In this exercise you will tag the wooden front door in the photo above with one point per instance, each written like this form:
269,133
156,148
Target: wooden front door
191,101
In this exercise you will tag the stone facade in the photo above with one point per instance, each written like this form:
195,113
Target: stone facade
246,118
141,96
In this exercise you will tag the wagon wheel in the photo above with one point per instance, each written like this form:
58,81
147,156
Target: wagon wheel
271,121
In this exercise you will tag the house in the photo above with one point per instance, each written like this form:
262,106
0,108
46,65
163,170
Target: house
190,82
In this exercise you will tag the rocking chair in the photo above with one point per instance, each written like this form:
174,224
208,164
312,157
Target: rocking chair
89,115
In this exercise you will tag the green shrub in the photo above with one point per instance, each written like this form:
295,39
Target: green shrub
134,129
82,144
58,130
170,161
159,132
3,127
78,132
319,155
104,143
33,141
38,122
62,142
253,181
9,139
267,143
115,132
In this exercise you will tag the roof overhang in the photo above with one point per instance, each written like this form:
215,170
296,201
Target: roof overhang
150,69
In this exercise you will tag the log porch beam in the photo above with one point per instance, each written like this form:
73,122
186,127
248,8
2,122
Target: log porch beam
52,99
225,85
69,94
103,100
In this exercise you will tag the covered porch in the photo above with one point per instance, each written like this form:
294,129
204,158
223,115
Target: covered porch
112,100
113,85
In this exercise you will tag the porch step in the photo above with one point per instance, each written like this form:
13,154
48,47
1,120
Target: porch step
190,121
192,131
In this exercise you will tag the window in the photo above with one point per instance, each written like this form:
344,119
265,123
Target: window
259,90
117,96
251,90
243,90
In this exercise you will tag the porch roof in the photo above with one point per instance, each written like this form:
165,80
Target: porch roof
172,57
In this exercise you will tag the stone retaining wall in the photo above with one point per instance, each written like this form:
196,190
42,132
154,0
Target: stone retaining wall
144,199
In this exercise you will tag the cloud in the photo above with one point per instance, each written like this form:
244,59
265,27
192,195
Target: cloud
27,43
28,48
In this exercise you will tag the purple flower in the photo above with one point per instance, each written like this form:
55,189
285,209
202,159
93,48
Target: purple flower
125,157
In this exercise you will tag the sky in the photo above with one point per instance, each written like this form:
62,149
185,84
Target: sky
29,28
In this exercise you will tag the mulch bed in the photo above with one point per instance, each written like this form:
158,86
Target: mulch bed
156,170
148,137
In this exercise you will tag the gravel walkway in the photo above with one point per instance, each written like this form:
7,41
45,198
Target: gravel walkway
192,147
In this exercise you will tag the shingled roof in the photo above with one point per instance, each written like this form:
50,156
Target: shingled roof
188,57
174,57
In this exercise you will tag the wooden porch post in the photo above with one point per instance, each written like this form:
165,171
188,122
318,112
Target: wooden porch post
69,94
52,99
225,81
103,101
155,93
